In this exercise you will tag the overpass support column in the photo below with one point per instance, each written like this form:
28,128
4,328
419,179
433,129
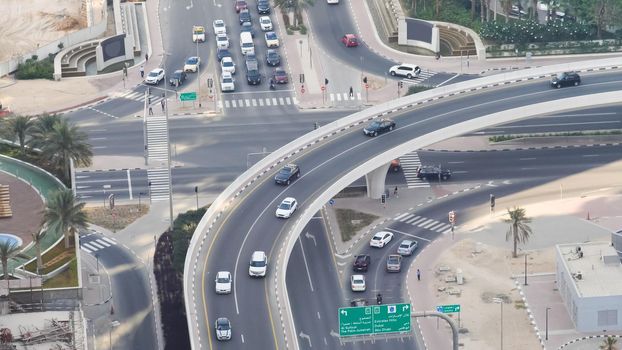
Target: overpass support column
375,181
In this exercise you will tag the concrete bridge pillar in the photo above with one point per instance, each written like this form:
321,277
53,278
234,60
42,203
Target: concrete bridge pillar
375,181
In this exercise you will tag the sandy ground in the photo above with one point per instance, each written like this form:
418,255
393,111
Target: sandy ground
27,24
486,276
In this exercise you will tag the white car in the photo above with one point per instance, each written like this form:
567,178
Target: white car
332,2
222,41
405,70
227,65
266,23
381,239
357,283
271,39
286,208
155,76
192,64
223,328
258,265
219,27
226,82
223,282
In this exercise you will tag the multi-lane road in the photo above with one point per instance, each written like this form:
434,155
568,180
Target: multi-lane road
251,224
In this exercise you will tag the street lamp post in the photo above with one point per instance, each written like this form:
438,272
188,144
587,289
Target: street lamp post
140,194
168,148
546,324
525,269
500,302
199,75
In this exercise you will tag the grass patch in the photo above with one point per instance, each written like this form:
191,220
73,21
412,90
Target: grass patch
417,88
519,304
58,250
67,278
117,218
351,221
501,138
34,69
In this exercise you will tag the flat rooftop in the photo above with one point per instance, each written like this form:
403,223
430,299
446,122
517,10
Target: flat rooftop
600,268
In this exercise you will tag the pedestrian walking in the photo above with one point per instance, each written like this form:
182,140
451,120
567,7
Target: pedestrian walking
418,275
351,92
150,110
146,57
162,103
142,71
395,192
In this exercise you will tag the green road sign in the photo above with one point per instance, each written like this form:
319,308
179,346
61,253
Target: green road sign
447,309
188,96
391,318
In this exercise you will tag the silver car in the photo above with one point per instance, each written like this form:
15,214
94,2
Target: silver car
407,247
394,263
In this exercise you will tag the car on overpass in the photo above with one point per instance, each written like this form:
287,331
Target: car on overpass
223,328
223,282
378,127
287,207
380,239
287,174
566,79
433,172
258,265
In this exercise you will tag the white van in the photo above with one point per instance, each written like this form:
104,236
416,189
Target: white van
246,43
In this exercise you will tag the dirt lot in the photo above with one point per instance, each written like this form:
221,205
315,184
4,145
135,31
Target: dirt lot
27,24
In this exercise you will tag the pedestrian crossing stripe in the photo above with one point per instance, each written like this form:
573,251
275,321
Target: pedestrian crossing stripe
97,244
419,78
410,163
257,102
425,223
138,96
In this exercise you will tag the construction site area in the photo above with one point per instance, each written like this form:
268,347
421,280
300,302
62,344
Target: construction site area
49,330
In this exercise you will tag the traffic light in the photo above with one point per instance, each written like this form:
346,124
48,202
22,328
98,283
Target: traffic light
365,80
302,78
400,84
452,217
325,81
383,199
196,189
210,82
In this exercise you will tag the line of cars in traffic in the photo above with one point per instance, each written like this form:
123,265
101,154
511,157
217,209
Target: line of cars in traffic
393,262
247,47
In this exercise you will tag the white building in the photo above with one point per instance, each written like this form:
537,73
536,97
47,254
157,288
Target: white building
589,278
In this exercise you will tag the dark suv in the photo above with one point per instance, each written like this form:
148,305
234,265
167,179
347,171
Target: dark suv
263,7
361,263
431,172
287,174
566,79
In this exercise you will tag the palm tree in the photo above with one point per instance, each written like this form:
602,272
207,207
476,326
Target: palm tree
37,237
296,5
64,215
65,142
42,126
17,128
609,343
519,231
8,249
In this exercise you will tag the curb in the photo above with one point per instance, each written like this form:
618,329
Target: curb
526,148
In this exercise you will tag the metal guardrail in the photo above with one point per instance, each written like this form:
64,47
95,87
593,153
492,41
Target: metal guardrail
231,195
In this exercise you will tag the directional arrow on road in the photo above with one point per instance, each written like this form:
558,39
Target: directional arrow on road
490,184
507,182
302,335
308,235
334,334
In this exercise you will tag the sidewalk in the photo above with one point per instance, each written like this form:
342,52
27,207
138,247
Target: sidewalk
97,299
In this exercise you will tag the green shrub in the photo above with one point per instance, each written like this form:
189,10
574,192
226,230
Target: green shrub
452,12
303,29
413,89
34,69
529,31
183,228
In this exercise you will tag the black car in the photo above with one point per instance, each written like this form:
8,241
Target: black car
245,16
222,53
273,58
431,172
379,126
287,174
263,7
178,78
566,79
253,77
361,263
248,27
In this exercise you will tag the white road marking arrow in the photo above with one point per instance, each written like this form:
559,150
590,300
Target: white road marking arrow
308,235
302,335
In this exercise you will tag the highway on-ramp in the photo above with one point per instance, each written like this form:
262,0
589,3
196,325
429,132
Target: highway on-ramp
251,225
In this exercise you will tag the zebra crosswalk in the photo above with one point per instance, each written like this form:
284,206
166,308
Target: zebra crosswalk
339,97
425,223
157,154
423,76
409,163
139,96
257,102
97,244
158,183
